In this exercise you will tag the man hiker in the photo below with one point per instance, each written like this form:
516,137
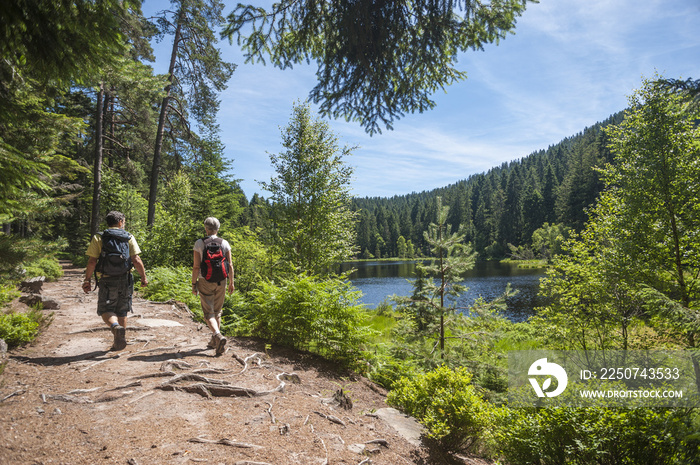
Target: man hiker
112,255
211,270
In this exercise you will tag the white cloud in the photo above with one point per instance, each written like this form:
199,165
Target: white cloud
570,64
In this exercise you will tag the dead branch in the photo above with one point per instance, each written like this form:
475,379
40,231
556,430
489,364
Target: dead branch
68,398
16,393
331,418
269,411
225,442
239,359
82,391
381,442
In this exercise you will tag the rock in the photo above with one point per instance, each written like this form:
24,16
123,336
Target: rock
47,303
31,299
32,285
357,448
406,426
50,303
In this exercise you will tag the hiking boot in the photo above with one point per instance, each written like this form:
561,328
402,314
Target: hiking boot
119,337
212,342
220,343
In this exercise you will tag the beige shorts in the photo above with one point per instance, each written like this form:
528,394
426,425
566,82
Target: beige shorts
212,296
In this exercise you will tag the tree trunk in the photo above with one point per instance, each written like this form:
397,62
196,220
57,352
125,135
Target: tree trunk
97,168
155,170
109,119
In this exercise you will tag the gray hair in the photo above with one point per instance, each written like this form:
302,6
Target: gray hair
114,218
211,224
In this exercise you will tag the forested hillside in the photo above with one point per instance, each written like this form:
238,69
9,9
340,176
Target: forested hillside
502,206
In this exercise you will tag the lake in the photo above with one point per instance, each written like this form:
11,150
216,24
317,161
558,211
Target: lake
380,279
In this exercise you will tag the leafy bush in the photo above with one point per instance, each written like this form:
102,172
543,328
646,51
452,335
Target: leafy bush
18,328
46,266
252,261
322,316
447,404
597,436
385,369
165,283
20,257
236,316
8,292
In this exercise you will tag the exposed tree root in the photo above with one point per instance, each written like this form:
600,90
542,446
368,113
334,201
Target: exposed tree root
225,442
194,377
68,398
244,361
168,365
208,387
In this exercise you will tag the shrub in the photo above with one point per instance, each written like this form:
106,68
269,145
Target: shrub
166,283
447,404
597,436
46,266
322,316
20,257
8,292
18,328
235,316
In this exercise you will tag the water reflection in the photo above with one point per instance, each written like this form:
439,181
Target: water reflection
488,279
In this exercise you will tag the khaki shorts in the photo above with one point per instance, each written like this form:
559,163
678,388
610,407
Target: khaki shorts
114,295
212,296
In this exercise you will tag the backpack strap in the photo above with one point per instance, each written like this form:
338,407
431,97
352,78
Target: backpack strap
95,270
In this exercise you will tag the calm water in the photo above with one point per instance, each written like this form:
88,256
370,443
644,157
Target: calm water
379,280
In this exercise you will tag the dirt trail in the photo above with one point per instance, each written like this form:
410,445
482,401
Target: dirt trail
67,399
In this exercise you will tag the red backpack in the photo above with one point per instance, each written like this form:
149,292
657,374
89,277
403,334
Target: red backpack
214,264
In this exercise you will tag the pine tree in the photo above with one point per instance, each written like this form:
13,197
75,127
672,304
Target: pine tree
452,257
311,195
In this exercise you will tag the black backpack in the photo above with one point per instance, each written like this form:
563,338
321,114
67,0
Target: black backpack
214,265
115,259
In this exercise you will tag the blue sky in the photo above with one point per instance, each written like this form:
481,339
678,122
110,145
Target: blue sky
570,64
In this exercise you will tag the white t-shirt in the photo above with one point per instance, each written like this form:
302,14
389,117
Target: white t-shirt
199,247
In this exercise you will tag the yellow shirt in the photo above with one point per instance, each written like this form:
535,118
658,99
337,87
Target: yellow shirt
95,247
